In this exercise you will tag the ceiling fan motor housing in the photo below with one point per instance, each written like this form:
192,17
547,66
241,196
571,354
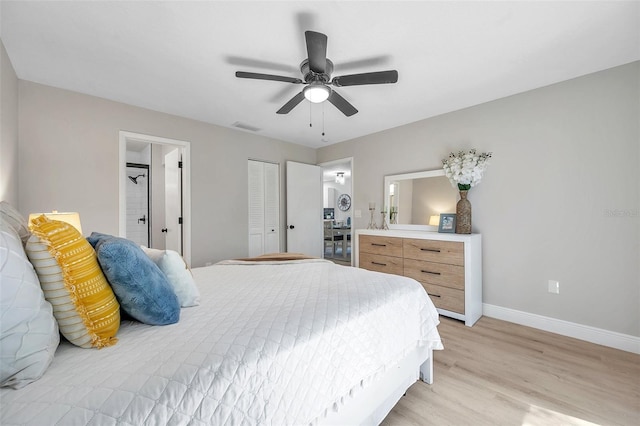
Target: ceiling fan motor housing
310,76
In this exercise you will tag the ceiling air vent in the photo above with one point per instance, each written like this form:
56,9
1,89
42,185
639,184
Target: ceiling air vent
245,126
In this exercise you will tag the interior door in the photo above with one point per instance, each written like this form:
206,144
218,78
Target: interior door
304,209
271,208
256,208
264,207
173,201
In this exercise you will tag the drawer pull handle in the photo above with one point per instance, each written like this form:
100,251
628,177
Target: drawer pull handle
430,272
379,264
433,250
378,245
434,295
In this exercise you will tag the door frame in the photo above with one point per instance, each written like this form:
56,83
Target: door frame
125,137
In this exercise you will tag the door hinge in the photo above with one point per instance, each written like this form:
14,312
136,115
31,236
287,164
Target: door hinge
179,164
180,221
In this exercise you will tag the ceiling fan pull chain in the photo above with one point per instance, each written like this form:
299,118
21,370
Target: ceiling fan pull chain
323,119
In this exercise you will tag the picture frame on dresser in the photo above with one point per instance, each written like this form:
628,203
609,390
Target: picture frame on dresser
447,223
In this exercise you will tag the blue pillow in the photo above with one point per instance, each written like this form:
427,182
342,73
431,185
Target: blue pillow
96,237
141,288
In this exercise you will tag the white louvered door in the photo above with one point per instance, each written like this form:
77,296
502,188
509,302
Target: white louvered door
271,208
264,208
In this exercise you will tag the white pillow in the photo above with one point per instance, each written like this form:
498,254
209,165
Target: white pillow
154,254
180,278
28,331
15,220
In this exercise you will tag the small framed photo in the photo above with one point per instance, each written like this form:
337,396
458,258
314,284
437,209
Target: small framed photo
447,222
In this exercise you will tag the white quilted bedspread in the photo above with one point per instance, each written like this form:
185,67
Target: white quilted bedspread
271,344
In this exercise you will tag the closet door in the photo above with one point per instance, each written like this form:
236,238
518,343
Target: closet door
264,208
271,208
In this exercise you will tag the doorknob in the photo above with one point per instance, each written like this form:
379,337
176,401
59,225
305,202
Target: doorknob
143,219
291,226
164,229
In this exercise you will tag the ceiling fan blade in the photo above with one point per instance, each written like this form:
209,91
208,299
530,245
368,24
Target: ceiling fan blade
293,102
342,104
316,51
379,77
257,76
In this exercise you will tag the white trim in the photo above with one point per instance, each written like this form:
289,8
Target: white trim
124,137
599,336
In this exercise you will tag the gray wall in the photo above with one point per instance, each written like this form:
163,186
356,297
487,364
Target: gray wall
69,161
560,199
8,130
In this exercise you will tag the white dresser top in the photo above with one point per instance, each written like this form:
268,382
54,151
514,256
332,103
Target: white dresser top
425,235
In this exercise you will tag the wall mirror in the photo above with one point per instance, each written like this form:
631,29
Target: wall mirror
416,200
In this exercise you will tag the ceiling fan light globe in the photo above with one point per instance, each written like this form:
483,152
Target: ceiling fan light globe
316,93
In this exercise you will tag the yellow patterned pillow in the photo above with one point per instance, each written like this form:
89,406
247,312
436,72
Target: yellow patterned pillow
83,303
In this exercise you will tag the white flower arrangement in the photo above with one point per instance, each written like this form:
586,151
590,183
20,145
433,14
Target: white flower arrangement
465,169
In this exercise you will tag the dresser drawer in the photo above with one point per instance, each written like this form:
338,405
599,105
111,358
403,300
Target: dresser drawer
446,298
380,263
451,276
434,251
388,246
449,267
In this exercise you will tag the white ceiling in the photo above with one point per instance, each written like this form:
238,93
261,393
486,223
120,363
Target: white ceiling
180,57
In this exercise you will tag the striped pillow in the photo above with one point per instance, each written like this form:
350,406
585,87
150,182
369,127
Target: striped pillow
83,303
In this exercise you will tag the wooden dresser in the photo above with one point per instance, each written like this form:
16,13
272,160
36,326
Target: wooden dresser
449,266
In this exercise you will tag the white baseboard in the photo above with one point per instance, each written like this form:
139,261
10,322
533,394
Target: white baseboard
599,336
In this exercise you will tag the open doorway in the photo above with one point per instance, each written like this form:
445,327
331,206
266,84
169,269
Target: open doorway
168,175
138,203
337,194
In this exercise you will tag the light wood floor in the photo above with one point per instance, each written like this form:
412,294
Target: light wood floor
499,373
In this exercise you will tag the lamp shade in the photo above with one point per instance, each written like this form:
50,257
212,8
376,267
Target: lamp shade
316,92
72,218
434,220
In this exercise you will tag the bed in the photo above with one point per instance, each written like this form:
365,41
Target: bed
272,342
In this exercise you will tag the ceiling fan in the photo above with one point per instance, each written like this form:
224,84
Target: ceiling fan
316,71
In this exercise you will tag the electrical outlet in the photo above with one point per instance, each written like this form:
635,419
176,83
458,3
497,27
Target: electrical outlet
357,213
554,286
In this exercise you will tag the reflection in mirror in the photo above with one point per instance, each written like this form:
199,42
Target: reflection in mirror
416,200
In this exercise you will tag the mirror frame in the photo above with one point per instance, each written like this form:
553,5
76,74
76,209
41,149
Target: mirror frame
406,176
